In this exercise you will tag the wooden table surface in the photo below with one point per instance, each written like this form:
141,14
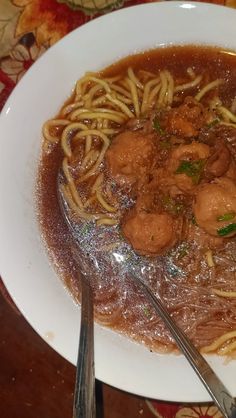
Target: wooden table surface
36,382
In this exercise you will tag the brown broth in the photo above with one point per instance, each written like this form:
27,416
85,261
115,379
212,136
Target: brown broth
134,316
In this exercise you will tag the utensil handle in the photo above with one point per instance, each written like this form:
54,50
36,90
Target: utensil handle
84,397
212,383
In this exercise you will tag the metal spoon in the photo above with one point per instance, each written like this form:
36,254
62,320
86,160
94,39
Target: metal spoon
212,383
84,405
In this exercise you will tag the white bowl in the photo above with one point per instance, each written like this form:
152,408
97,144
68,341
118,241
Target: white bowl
25,268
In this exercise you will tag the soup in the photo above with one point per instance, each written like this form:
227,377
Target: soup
147,149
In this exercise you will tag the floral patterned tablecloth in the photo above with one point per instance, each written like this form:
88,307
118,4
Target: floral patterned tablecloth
27,29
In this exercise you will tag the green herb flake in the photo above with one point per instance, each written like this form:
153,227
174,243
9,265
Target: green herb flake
85,228
183,251
165,144
156,125
222,232
171,205
193,219
146,312
213,123
192,169
226,217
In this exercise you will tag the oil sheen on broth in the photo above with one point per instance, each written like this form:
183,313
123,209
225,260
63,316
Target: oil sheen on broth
153,186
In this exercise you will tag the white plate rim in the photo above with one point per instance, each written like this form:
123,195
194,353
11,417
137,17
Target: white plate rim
148,381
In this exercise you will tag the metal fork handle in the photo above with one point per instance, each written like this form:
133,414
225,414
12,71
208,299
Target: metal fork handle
212,383
84,397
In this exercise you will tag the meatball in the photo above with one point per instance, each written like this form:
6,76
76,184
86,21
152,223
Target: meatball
215,206
187,119
150,233
219,161
130,157
193,154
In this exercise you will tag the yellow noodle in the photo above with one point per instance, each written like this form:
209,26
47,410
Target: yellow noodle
233,106
233,125
170,90
103,202
106,143
104,124
209,258
105,115
88,78
99,123
112,111
112,79
88,144
90,159
97,183
164,86
76,112
121,105
80,213
227,349
64,138
146,74
224,293
153,94
121,90
90,201
53,123
90,95
135,80
207,88
188,85
107,221
226,114
74,192
146,97
219,341
109,131
124,99
134,95
70,107
101,100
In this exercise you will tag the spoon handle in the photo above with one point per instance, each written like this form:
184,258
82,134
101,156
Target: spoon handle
212,383
84,397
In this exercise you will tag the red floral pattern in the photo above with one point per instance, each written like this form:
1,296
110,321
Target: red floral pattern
27,29
174,410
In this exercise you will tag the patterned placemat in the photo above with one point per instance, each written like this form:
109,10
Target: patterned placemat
174,410
27,29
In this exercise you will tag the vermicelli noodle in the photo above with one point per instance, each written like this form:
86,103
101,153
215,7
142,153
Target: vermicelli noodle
181,113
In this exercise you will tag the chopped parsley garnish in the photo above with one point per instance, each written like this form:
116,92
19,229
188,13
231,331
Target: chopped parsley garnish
193,219
226,217
165,144
192,169
222,232
171,205
146,311
85,228
156,125
213,123
183,251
